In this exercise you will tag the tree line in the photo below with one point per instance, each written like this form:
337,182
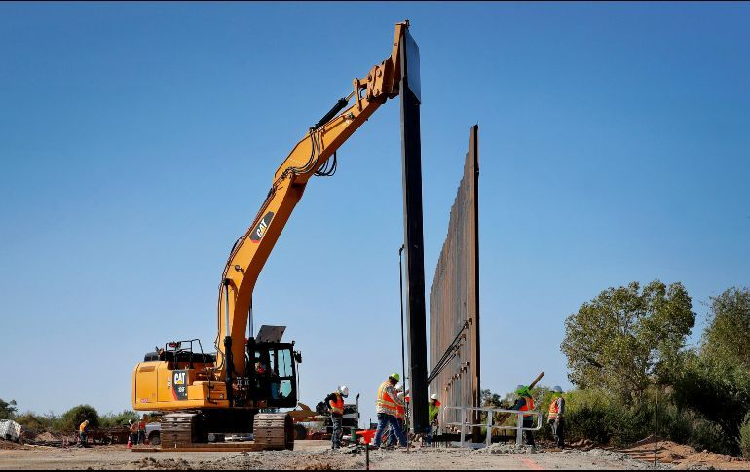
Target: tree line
627,348
66,423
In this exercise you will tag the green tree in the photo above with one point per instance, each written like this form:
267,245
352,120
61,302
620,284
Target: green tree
623,338
491,400
727,335
72,418
8,410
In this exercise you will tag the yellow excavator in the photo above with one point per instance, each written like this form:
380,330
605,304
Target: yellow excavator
207,396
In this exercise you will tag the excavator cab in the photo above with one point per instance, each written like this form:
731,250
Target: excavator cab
271,369
273,376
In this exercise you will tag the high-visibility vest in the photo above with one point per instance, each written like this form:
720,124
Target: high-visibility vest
82,427
337,406
400,412
434,410
385,401
553,411
528,406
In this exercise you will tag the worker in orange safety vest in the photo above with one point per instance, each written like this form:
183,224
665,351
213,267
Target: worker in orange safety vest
386,408
335,404
400,413
556,416
525,402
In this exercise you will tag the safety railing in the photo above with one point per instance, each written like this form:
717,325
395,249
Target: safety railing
490,422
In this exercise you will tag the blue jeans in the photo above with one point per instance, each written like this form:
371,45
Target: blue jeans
383,422
392,436
338,432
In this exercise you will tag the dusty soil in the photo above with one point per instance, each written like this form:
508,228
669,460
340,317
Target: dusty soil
681,456
316,455
11,446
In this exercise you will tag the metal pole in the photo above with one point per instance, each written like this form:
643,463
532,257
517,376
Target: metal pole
490,422
403,357
463,425
519,431
411,161
656,425
401,301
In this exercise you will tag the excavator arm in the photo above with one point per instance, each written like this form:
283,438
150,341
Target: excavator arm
309,157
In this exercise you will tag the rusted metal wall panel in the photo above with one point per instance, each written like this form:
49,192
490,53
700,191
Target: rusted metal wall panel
454,296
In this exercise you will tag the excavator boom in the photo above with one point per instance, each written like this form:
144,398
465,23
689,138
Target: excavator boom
309,157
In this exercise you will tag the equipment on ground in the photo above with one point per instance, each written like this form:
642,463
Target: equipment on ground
10,430
208,396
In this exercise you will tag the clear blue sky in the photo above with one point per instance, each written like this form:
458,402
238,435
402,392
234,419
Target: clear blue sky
137,141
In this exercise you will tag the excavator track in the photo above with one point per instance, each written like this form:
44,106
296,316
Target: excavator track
179,430
182,432
273,432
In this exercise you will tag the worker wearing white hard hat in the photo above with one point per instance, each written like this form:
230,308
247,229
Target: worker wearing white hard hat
335,404
400,416
434,409
556,416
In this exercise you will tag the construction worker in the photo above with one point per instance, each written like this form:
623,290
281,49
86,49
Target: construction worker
400,415
133,432
82,432
525,402
385,407
335,404
434,411
142,430
556,416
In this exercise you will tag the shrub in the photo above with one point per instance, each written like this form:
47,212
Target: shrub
72,418
719,390
745,437
32,422
111,420
587,415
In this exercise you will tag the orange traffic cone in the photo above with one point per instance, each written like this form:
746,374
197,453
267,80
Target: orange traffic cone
130,443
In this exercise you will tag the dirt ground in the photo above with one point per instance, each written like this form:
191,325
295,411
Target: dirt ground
681,456
316,455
